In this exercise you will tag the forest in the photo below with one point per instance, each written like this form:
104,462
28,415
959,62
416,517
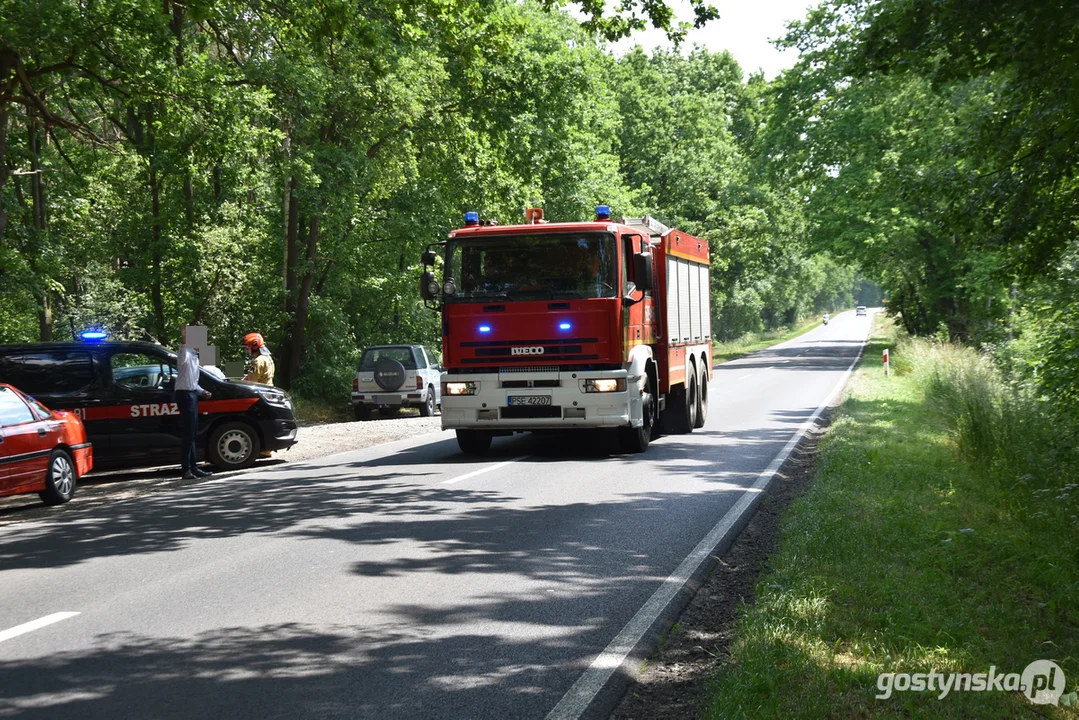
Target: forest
278,167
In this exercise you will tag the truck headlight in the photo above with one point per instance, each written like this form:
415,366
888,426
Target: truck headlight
459,388
604,385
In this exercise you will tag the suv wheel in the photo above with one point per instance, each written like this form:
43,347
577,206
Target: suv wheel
362,412
233,446
428,407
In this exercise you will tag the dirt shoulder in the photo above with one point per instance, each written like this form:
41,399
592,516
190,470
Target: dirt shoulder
673,683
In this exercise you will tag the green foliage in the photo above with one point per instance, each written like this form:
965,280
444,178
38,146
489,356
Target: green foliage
933,142
279,167
910,554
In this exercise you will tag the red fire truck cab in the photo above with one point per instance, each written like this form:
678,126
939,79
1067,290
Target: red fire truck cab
572,325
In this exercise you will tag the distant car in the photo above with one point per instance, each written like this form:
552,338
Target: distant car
860,310
41,451
390,377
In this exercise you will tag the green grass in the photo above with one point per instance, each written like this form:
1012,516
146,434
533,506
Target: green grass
316,412
874,571
752,342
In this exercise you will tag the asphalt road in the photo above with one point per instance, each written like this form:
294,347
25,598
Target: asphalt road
404,580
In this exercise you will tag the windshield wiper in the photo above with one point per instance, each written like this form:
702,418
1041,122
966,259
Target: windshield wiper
483,296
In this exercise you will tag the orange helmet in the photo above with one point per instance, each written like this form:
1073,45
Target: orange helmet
253,341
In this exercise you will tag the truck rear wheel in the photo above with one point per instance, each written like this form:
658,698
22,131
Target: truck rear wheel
474,442
681,414
702,399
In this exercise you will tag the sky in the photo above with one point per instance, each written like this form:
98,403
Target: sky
744,28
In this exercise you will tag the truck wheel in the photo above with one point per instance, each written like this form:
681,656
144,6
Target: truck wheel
59,479
474,442
702,399
681,413
428,407
635,439
233,446
362,412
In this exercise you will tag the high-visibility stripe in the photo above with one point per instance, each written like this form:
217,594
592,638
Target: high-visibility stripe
137,411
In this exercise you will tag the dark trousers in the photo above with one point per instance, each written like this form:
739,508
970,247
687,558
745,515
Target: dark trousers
187,401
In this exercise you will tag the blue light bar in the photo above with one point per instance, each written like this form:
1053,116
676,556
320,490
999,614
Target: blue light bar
564,326
472,218
485,328
93,335
603,211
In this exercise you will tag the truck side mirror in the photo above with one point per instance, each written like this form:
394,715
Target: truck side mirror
428,286
643,271
428,258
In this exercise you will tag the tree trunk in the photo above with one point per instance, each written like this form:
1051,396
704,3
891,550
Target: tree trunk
303,303
292,252
42,293
3,150
160,329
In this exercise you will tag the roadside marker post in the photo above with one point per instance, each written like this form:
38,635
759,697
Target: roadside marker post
885,361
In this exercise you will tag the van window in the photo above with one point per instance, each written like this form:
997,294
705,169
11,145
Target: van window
139,371
53,372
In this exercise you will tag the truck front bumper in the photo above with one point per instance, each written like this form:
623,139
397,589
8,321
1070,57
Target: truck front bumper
569,406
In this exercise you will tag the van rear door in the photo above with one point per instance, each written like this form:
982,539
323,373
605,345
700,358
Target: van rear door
61,379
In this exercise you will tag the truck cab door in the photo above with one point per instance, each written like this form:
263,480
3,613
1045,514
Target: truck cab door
638,318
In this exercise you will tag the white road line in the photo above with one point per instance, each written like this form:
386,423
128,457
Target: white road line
745,376
580,696
35,625
481,471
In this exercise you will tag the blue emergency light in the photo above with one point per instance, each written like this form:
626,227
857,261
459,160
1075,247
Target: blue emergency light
603,212
93,335
472,218
564,326
485,328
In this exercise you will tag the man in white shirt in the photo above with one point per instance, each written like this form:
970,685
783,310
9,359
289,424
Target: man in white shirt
188,393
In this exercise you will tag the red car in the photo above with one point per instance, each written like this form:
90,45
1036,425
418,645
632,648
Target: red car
40,450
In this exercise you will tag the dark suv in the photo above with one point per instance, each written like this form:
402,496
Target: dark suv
123,391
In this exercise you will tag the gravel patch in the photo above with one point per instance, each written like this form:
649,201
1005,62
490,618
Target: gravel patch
314,441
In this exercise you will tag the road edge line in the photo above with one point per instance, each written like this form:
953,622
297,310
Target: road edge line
580,698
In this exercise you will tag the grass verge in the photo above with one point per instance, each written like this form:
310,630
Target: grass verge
752,342
918,548
316,412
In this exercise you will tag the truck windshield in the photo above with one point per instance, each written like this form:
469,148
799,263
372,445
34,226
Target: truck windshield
533,267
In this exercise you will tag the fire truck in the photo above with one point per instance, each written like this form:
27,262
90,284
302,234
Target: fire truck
566,325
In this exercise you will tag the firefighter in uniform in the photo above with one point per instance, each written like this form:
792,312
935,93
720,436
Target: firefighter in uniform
262,368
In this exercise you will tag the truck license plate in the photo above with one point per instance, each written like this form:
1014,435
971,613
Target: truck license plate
529,400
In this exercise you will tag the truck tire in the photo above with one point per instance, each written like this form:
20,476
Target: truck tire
635,439
474,442
681,414
362,412
233,446
702,399
428,407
